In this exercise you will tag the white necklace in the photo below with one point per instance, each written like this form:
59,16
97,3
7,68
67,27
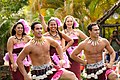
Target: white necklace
39,41
93,42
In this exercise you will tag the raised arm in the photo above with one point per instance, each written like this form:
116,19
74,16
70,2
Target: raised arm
41,17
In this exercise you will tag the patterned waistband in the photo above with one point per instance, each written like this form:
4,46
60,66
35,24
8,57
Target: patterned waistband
42,72
95,65
41,67
93,70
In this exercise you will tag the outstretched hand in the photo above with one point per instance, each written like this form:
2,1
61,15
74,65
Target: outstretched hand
41,17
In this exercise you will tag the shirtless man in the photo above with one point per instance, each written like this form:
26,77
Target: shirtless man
42,67
93,48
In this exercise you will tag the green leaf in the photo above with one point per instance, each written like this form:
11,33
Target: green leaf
93,5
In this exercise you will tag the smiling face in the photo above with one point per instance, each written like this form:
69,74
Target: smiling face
37,31
53,26
69,22
95,31
19,29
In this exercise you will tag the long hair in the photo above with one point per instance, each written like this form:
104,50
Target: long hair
13,29
48,29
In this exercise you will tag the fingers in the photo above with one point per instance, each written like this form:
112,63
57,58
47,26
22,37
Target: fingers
14,67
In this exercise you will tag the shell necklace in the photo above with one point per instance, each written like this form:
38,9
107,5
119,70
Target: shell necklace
93,42
40,41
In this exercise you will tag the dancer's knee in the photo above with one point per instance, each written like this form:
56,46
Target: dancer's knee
112,76
69,75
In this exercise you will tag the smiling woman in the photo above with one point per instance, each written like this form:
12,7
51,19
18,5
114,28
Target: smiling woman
15,44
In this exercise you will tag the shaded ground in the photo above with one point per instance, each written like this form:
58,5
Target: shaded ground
4,73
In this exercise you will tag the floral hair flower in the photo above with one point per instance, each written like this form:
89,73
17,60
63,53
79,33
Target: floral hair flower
57,20
75,23
26,26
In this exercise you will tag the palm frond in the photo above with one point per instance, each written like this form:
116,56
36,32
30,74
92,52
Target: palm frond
35,5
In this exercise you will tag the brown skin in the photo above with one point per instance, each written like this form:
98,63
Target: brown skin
94,53
41,17
69,31
39,53
53,30
12,41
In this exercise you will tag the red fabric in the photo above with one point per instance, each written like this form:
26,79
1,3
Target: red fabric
17,75
74,66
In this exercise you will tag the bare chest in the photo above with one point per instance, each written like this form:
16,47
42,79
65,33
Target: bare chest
40,49
90,49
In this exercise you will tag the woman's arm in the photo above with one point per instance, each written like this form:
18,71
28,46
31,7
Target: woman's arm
41,17
68,39
10,45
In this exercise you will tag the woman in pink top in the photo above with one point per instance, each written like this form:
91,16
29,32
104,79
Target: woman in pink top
15,44
69,29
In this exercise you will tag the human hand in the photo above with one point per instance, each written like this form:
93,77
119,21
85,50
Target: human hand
14,67
85,62
62,63
41,17
108,65
64,49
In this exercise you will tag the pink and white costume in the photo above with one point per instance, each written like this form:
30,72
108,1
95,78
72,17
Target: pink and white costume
27,62
74,66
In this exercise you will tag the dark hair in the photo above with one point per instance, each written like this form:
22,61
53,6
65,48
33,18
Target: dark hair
33,25
65,26
115,31
48,29
13,29
90,26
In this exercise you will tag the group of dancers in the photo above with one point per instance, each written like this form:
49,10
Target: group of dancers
57,54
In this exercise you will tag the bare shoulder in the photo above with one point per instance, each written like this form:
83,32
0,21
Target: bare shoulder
104,40
62,33
29,44
49,39
78,31
11,39
84,42
28,37
46,34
